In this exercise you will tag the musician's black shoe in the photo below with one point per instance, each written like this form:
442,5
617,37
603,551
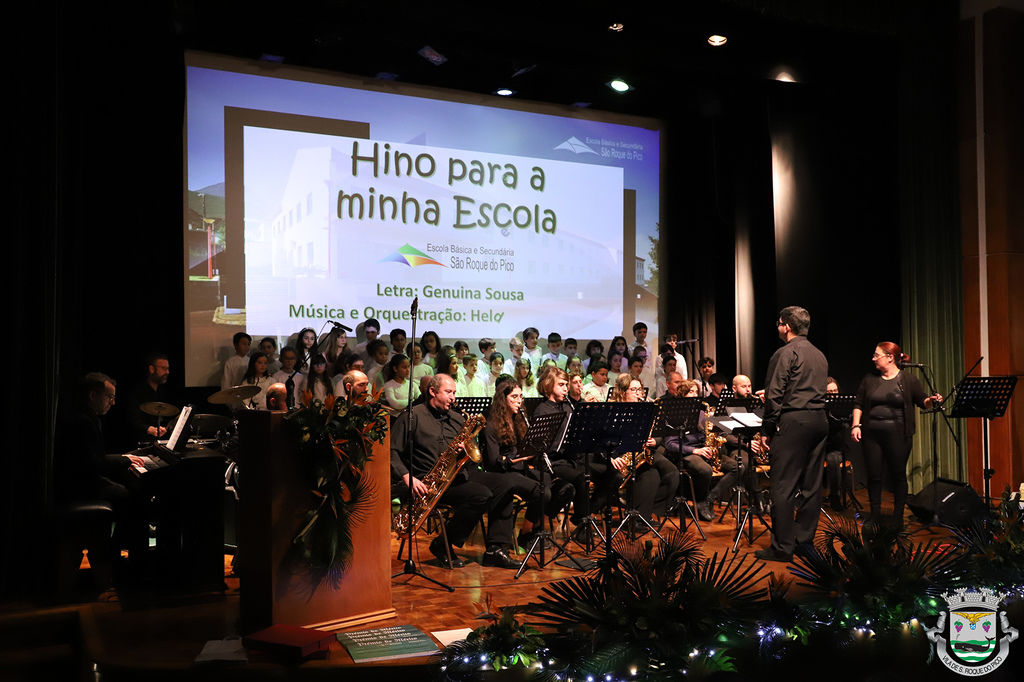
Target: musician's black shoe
526,538
771,554
437,549
499,557
704,511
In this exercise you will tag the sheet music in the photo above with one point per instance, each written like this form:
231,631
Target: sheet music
182,420
746,419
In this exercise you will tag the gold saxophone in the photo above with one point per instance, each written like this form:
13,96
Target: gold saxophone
635,460
712,439
441,475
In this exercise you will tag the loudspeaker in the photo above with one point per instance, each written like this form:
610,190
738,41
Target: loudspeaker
957,503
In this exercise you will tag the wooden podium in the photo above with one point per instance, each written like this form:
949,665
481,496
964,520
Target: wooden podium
273,497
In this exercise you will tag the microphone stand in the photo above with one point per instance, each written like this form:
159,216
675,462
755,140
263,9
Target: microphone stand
409,567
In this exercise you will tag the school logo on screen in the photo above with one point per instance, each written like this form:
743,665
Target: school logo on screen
973,637
576,146
411,256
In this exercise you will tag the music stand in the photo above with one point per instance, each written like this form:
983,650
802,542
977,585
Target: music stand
744,432
839,407
985,397
582,436
542,432
632,423
678,417
473,406
409,567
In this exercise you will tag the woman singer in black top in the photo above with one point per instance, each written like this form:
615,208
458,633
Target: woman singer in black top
884,422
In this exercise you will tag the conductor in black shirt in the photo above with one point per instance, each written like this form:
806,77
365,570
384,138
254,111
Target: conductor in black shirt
795,428
470,494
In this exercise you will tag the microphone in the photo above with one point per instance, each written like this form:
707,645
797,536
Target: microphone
339,325
913,364
415,307
689,340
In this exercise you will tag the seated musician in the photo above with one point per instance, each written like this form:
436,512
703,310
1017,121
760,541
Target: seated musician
83,471
835,449
689,449
569,469
655,483
729,455
145,427
575,395
277,397
502,438
470,494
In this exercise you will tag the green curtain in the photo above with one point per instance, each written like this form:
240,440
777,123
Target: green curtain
930,239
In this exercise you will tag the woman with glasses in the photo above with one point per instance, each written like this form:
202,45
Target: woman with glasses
502,437
656,483
884,422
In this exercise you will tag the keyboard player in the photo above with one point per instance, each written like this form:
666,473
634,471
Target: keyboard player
84,471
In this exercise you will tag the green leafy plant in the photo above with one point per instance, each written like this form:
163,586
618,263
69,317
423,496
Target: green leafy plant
501,644
874,578
652,613
995,547
334,439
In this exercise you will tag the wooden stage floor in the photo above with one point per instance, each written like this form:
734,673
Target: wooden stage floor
158,636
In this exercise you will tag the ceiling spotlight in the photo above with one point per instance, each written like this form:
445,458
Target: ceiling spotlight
505,92
616,27
619,85
717,40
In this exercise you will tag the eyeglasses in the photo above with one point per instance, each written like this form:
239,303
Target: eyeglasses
881,355
635,388
110,396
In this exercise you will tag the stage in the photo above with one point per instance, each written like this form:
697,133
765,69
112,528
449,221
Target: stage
138,634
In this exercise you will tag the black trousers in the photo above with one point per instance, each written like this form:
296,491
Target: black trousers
701,473
723,490
798,450
886,447
483,492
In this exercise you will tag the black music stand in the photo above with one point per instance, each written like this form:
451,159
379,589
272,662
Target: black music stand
636,431
538,438
839,408
748,479
474,406
678,417
985,397
582,436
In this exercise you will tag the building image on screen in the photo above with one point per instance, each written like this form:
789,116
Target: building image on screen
313,201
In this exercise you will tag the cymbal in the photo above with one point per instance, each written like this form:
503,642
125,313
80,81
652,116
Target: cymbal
158,409
233,394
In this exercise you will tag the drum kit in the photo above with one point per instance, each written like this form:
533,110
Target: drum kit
207,428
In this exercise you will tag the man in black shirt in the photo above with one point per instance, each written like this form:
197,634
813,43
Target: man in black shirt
145,427
470,494
795,428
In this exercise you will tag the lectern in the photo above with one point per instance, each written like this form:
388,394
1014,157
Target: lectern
274,494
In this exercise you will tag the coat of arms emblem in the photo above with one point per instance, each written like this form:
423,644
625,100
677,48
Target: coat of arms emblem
973,636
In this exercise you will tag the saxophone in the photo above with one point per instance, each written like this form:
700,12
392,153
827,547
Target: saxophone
635,460
712,439
441,476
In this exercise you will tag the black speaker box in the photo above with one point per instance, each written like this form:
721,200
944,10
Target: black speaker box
957,503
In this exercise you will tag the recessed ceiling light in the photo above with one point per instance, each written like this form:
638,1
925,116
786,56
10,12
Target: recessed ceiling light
717,40
619,85
616,27
504,92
